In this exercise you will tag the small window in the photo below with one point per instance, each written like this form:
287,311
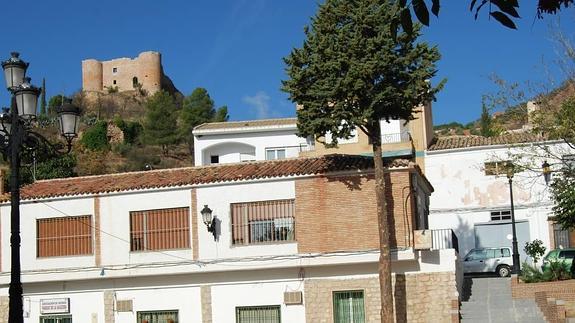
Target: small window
160,229
135,82
275,153
115,70
497,168
263,222
478,254
65,236
348,307
56,319
257,314
500,215
114,82
214,159
158,317
506,252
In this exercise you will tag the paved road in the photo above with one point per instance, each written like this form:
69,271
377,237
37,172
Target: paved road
488,299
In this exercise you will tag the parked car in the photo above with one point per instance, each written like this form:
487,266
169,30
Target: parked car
483,260
563,255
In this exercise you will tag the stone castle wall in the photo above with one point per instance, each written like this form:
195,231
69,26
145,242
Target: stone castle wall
123,73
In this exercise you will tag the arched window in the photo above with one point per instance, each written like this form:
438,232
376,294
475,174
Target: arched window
135,82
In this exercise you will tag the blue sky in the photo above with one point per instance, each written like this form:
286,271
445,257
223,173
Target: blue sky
234,48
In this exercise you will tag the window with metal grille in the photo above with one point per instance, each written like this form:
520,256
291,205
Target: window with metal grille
500,215
348,307
258,314
158,317
66,236
263,222
56,319
497,167
160,229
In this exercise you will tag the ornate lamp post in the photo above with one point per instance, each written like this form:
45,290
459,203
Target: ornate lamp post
16,138
510,173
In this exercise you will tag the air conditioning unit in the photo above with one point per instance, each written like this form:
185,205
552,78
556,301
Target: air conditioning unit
293,298
124,305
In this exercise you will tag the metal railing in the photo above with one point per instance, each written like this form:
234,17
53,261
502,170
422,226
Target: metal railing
444,239
391,138
264,231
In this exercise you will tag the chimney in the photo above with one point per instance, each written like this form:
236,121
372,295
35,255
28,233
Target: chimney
532,107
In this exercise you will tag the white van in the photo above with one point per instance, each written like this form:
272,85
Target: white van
484,260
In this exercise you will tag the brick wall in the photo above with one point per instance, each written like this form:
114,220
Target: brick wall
335,213
206,299
555,299
437,289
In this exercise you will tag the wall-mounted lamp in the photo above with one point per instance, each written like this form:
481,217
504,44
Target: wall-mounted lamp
546,172
209,220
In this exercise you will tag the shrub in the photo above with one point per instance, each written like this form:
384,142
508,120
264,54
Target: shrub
530,274
557,270
95,138
535,249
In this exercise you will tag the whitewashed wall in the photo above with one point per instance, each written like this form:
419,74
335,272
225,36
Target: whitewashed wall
229,146
465,196
219,198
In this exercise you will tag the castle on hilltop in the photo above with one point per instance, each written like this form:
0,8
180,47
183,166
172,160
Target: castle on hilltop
126,74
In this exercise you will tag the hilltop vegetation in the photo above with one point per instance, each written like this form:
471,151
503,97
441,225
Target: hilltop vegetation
126,131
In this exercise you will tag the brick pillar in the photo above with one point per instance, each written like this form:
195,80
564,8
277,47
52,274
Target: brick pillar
109,306
194,215
97,233
206,298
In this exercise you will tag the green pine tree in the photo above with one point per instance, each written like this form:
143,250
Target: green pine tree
160,120
198,108
350,73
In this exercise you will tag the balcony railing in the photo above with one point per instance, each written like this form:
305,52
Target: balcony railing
264,231
391,138
444,239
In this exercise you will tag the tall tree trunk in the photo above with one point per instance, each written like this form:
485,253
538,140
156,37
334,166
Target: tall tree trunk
384,229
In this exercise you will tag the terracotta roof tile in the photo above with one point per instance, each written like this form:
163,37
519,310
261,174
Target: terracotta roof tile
454,142
246,124
102,184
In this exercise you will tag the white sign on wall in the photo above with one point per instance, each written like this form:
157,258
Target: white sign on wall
55,306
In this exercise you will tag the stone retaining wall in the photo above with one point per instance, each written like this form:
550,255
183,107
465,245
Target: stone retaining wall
427,297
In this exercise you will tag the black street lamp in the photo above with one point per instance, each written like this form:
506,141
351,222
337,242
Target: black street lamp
16,139
510,173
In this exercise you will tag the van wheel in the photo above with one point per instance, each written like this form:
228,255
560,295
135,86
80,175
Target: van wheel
503,271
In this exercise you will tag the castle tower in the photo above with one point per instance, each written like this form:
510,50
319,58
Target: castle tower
124,74
92,75
150,71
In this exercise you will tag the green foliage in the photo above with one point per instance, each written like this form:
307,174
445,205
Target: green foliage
55,102
504,11
112,89
535,249
563,194
530,274
486,123
557,270
350,71
95,138
198,108
55,167
160,121
448,126
131,129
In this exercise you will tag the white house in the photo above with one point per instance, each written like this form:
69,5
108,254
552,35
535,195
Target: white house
472,193
241,141
293,240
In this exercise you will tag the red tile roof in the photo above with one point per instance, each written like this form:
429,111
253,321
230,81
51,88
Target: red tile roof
229,125
454,142
122,182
